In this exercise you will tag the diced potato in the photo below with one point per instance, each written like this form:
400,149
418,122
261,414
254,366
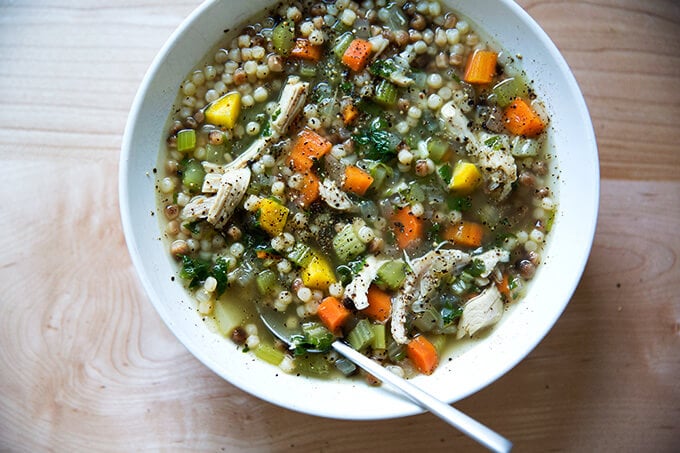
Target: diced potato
228,314
224,111
273,216
318,274
466,178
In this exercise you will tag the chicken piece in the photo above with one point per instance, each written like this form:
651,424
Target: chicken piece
481,312
197,208
491,258
498,168
333,196
211,182
233,185
421,281
357,289
457,124
497,165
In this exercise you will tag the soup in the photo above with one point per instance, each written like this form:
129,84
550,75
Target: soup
374,172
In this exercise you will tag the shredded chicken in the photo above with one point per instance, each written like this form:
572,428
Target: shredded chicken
420,284
233,185
333,196
357,289
497,165
480,312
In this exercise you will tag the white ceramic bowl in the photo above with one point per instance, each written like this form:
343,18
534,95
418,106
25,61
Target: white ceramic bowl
572,141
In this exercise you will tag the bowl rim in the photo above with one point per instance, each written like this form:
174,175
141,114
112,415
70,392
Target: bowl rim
410,409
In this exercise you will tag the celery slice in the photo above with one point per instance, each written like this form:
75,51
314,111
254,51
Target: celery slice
342,43
347,244
385,93
186,140
269,354
361,336
379,341
392,274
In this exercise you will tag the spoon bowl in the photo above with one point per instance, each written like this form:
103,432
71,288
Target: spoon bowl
275,321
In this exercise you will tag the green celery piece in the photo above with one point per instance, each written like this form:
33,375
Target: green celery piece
192,175
186,140
266,280
437,148
385,93
283,38
507,90
342,43
347,244
379,341
269,354
392,274
361,336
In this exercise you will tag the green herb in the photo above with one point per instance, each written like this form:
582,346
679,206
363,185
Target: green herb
446,173
458,203
194,226
382,68
476,268
376,145
195,270
219,271
494,142
267,129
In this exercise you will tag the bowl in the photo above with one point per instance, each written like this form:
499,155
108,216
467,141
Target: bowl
479,363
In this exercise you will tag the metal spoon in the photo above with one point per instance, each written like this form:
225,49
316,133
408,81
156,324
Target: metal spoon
275,322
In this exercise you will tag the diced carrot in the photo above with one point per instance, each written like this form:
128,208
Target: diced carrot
305,50
465,233
308,148
309,189
349,113
263,255
423,354
332,313
408,228
504,285
520,119
356,55
481,67
356,180
379,304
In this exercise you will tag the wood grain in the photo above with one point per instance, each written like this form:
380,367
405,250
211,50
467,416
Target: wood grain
86,363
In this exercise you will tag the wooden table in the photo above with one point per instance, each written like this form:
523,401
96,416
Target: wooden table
86,364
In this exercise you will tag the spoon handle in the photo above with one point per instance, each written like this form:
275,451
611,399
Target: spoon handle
482,434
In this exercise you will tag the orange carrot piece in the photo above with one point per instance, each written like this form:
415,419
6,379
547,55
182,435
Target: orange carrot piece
481,67
349,113
520,119
423,354
308,148
332,313
356,55
309,191
379,304
356,180
504,285
408,228
305,50
465,233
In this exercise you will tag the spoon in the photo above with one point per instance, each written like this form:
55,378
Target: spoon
275,322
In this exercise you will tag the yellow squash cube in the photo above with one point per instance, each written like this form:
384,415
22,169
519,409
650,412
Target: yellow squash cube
273,216
224,111
318,274
466,178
